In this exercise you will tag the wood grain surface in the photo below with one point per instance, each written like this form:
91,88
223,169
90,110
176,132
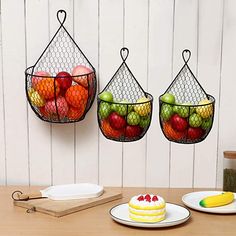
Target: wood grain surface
96,221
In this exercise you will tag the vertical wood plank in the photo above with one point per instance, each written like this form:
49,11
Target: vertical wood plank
2,119
86,36
110,41
227,115
14,93
39,131
63,135
136,39
159,71
185,36
209,58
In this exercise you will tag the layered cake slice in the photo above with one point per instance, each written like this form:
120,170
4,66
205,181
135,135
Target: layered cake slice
147,208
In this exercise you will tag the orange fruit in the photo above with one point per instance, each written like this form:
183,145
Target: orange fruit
109,131
77,96
75,113
171,133
46,89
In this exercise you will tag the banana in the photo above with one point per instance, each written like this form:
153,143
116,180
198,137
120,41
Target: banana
217,200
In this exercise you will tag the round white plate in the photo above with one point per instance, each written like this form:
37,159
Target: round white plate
175,215
192,200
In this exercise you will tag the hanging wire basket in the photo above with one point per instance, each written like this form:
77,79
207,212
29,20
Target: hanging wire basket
124,108
61,85
186,111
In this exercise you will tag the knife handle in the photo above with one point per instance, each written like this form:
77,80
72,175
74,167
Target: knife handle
19,196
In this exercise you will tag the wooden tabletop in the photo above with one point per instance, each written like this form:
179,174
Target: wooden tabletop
96,221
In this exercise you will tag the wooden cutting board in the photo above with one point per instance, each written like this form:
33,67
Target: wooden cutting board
65,207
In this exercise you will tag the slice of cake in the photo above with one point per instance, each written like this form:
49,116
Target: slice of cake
147,208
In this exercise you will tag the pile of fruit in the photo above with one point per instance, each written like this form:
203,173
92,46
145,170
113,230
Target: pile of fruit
185,123
63,97
121,120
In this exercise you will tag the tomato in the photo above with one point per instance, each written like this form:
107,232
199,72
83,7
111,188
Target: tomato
171,133
109,131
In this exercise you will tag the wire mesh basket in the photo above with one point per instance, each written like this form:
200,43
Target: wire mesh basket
61,85
124,108
186,111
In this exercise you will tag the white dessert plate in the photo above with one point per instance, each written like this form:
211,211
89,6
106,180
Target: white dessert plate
192,200
175,215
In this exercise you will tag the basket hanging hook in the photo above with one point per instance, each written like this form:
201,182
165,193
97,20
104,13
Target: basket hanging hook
186,54
61,16
124,53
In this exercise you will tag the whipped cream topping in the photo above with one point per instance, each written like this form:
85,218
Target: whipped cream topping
134,201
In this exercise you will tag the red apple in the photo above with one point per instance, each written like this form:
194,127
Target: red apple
132,131
116,121
178,123
64,80
59,106
37,77
195,133
82,75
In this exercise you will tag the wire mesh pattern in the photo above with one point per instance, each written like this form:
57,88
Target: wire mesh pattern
61,85
186,111
124,108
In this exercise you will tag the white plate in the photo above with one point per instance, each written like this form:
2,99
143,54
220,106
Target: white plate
192,200
175,215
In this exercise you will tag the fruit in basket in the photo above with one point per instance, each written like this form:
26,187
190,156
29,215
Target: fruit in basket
48,88
168,98
132,131
82,75
178,123
171,133
122,108
104,110
57,107
35,98
74,113
205,111
109,131
144,121
195,120
217,200
37,77
106,96
207,123
166,111
64,80
195,133
117,121
133,118
144,108
43,112
77,96
182,110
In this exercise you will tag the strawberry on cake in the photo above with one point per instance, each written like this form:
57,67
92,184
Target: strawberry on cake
147,208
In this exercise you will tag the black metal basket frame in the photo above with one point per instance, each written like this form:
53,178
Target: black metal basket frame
209,97
54,77
123,51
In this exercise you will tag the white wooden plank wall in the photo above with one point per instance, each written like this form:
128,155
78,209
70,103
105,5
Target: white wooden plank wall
33,152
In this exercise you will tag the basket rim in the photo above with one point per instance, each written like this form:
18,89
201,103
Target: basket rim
189,105
127,103
55,77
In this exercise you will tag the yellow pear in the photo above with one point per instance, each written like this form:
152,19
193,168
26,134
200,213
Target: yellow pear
205,111
35,98
144,108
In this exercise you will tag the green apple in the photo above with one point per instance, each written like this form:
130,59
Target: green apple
144,121
168,98
133,118
205,111
195,120
122,110
144,108
106,96
166,111
207,123
182,111
104,110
